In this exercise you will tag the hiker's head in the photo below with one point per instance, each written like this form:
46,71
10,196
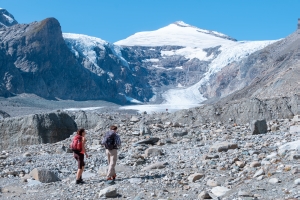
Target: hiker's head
81,132
113,128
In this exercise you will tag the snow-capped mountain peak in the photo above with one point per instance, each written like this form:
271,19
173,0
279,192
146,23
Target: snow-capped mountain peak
177,34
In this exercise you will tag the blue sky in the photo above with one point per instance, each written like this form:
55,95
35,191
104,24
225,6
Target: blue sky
113,20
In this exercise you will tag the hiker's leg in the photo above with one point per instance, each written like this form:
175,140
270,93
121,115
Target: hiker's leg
108,160
114,161
80,166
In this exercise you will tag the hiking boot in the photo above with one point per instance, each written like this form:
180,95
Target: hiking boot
78,182
114,177
109,179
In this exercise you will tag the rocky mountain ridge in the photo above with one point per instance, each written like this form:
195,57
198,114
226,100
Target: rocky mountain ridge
131,73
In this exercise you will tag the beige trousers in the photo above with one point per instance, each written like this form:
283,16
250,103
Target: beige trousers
112,156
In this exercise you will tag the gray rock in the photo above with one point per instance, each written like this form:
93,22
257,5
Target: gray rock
259,127
255,164
219,191
158,165
153,151
43,175
222,146
259,173
109,192
297,181
244,194
212,183
273,180
204,195
195,177
180,134
151,140
36,129
134,119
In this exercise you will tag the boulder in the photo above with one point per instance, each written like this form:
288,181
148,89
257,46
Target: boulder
110,192
222,146
204,195
180,133
151,140
158,165
195,177
134,119
43,175
290,146
36,129
259,127
259,173
153,152
219,191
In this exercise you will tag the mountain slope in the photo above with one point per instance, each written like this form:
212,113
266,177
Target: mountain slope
188,56
268,73
35,58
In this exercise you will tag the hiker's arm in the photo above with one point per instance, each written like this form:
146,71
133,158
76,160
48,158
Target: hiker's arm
83,147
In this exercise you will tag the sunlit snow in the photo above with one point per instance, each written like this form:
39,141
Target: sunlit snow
84,44
9,19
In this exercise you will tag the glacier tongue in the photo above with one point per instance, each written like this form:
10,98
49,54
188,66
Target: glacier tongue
229,54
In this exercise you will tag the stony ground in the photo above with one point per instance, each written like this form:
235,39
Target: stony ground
164,160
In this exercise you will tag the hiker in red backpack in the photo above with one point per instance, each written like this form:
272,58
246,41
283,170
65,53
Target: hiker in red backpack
111,141
78,147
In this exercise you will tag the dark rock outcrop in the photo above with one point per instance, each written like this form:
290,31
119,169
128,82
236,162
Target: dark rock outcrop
3,114
35,129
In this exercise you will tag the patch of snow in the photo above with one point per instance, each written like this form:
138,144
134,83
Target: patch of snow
132,100
117,51
179,67
9,19
111,75
151,60
179,85
84,109
158,67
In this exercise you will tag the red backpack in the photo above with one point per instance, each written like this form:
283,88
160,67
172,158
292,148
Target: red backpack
76,144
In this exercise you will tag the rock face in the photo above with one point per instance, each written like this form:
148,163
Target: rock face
36,129
35,58
267,73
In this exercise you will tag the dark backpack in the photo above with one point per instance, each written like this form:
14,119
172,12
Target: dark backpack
76,144
110,141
